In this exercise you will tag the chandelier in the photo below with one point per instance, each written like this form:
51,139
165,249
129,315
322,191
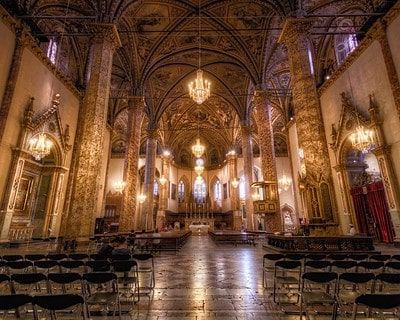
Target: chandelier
199,169
119,186
40,146
284,182
235,183
362,139
141,198
198,149
200,88
163,180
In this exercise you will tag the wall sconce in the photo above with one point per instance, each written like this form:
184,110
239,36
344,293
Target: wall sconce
255,196
141,198
119,186
163,180
235,182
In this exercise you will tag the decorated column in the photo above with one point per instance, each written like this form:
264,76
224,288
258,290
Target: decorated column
91,133
231,158
131,170
247,152
262,108
147,221
315,183
166,159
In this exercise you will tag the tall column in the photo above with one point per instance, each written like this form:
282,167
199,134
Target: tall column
89,142
263,112
12,79
166,159
316,182
247,152
231,158
149,174
129,197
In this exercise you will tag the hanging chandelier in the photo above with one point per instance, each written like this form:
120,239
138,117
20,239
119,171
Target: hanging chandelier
362,139
200,89
284,182
163,180
198,149
235,183
119,186
199,170
40,146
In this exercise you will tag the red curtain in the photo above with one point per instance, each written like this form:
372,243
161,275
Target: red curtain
378,207
361,209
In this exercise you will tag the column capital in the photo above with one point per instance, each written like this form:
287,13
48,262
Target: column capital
294,27
136,102
152,133
106,31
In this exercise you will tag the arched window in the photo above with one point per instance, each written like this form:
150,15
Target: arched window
217,191
156,189
181,192
52,50
345,43
199,190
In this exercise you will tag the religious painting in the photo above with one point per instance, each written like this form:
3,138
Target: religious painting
225,188
173,191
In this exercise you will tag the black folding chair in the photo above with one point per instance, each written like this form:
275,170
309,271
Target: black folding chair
35,257
337,256
15,302
72,266
63,283
20,266
315,257
78,256
98,265
340,266
371,266
317,265
380,257
378,306
269,260
358,257
28,283
392,266
101,289
128,278
69,304
388,282
13,257
287,274
56,256
145,263
352,284
46,266
318,288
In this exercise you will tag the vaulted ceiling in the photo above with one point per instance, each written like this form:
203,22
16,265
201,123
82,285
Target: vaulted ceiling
160,54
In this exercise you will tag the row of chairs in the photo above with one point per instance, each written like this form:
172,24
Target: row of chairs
101,289
94,263
333,256
47,303
353,290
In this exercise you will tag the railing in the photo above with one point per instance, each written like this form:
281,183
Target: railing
20,233
321,244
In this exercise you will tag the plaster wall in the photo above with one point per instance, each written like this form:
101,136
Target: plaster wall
36,80
393,34
366,75
6,54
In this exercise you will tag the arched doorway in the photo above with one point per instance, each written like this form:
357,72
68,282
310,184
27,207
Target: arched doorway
367,192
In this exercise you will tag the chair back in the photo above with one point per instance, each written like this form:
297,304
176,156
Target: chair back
35,257
343,264
294,256
315,257
123,265
56,256
320,277
380,257
13,301
338,257
357,278
78,256
13,257
98,265
394,265
358,257
379,301
317,264
58,301
371,265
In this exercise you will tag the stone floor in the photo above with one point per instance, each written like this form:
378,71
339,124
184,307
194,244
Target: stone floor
209,281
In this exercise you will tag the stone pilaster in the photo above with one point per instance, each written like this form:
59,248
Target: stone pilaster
86,180
129,197
149,175
20,41
318,196
247,152
263,117
231,158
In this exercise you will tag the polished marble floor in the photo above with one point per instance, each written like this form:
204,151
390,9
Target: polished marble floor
209,281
